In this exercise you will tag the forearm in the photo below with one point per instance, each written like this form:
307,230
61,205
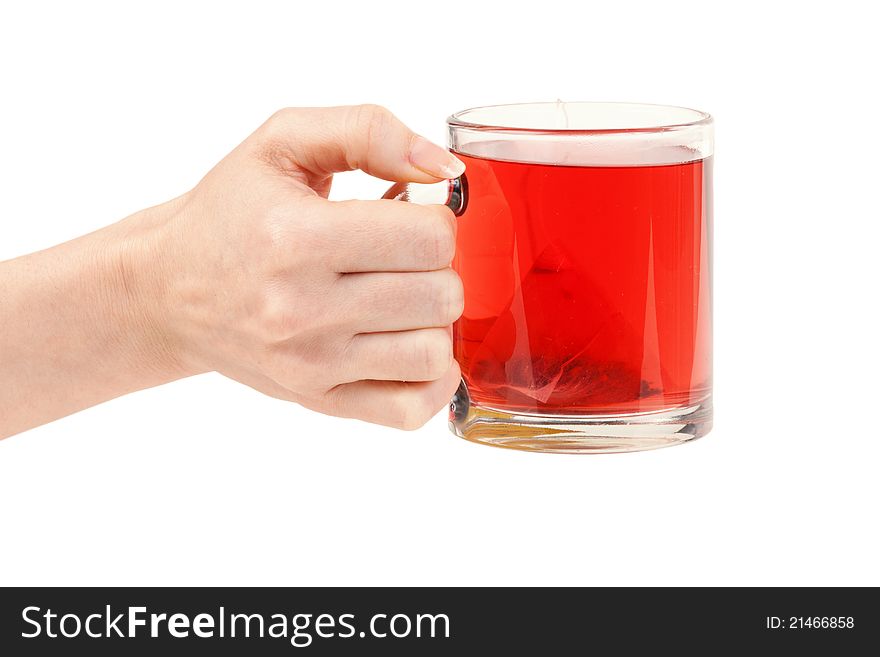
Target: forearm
82,323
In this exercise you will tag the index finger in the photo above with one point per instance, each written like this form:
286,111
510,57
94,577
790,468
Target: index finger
387,236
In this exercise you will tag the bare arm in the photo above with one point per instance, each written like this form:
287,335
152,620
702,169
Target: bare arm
77,324
341,306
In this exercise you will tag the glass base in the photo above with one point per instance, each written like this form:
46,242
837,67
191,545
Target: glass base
579,434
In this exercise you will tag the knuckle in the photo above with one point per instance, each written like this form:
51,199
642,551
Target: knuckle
410,411
290,236
369,113
276,320
372,124
274,227
372,120
336,403
437,245
433,355
302,235
279,118
276,139
449,297
301,363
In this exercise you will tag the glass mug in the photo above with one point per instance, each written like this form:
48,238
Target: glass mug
584,245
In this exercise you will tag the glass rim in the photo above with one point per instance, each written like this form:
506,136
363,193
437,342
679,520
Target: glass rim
458,119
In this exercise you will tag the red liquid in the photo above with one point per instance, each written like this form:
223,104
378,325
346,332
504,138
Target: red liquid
587,289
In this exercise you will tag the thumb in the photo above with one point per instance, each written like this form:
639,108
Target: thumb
367,137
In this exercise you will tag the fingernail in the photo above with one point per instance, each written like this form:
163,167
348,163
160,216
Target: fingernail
434,160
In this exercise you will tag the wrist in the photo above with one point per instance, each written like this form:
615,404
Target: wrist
136,257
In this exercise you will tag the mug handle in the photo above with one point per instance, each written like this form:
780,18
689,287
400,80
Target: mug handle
456,200
455,191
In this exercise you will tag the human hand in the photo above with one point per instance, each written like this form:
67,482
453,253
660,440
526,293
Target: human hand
344,307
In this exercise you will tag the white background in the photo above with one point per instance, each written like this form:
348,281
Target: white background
108,108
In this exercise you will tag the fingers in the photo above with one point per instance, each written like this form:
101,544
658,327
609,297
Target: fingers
367,137
420,355
376,302
394,403
368,236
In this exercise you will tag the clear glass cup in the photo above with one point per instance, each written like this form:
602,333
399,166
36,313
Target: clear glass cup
584,246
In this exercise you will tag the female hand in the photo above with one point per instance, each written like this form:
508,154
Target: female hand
344,307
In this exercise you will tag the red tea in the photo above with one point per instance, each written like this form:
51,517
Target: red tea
587,288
